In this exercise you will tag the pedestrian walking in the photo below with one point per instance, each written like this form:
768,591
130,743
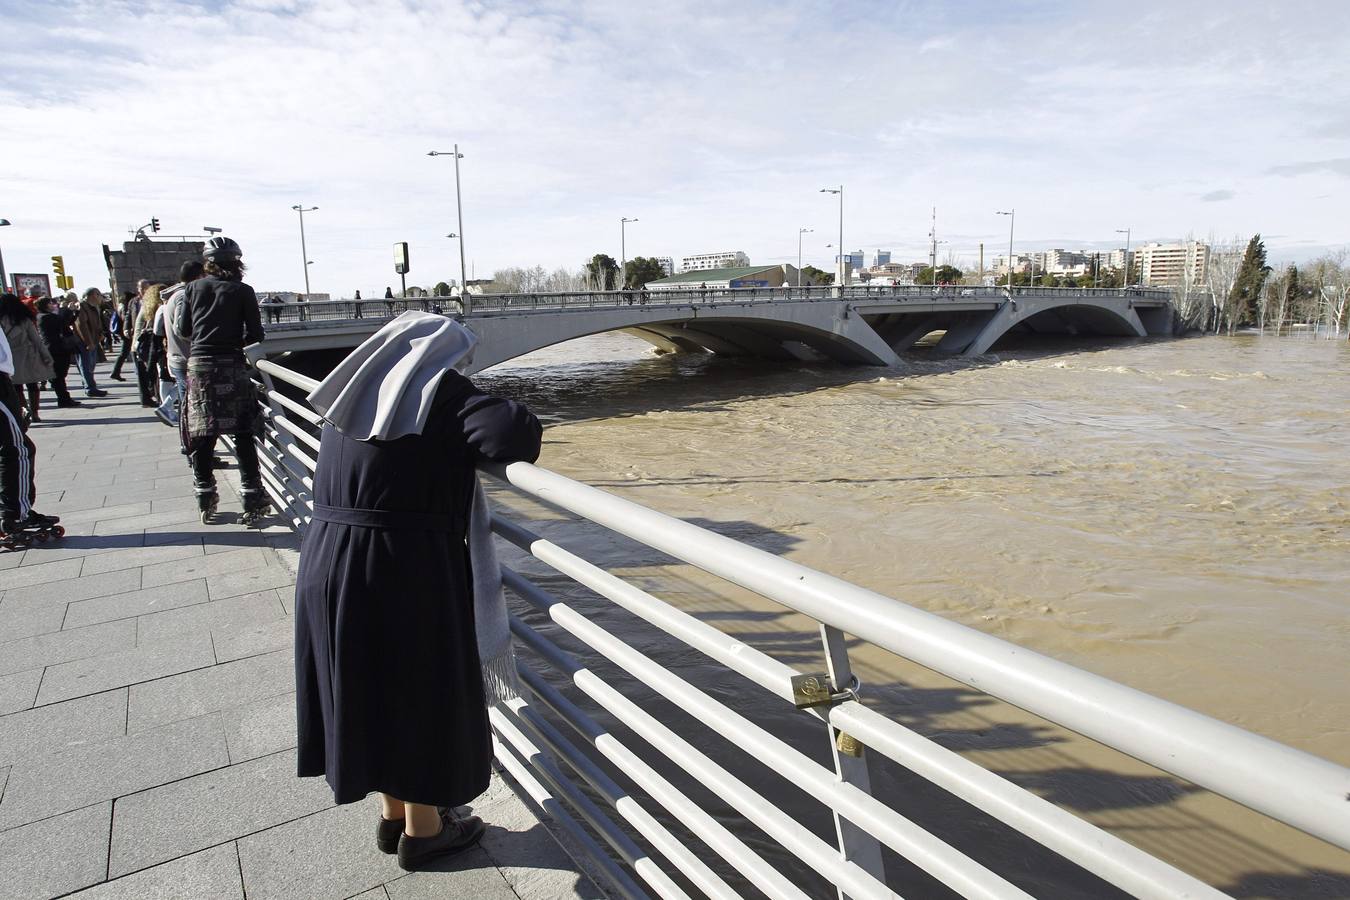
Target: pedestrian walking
401,628
61,344
143,345
32,360
217,317
17,486
88,327
131,308
176,351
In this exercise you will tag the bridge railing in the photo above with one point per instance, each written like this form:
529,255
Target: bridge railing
646,833
329,311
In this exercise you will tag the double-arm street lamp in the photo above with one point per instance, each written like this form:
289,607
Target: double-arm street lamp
800,232
459,208
1012,220
623,244
304,254
1125,279
840,191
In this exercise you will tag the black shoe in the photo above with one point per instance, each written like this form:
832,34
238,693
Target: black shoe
68,404
455,836
387,833
96,392
117,376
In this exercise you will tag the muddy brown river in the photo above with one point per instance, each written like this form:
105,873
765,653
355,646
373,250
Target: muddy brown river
1174,515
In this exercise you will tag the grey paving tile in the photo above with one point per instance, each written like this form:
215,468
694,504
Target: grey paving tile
75,723
74,589
207,875
11,559
287,595
4,779
328,854
133,557
75,777
164,504
166,822
63,646
252,640
137,524
375,893
257,729
99,513
145,663
218,564
248,582
56,855
209,690
470,874
135,603
216,616
20,620
18,691
529,858
43,574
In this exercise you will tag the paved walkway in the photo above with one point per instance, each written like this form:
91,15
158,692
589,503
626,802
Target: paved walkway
147,736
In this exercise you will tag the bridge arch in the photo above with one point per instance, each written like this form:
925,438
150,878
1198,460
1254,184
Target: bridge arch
1049,315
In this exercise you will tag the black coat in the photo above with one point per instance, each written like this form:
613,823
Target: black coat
219,316
389,687
58,336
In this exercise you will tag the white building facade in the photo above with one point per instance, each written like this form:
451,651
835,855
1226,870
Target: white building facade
722,260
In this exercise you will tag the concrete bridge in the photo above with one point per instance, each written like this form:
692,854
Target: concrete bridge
857,325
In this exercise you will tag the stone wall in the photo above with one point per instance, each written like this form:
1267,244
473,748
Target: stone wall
153,260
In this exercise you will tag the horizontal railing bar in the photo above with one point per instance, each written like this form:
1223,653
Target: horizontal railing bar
759,667
695,869
290,376
1112,859
1098,851
520,770
298,431
1287,784
944,863
632,854
770,819
299,409
712,832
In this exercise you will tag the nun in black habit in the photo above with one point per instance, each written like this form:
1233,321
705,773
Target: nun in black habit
399,613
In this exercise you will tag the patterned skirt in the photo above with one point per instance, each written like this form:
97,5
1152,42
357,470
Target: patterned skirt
221,399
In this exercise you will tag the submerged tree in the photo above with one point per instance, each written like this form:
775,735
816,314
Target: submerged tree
1244,299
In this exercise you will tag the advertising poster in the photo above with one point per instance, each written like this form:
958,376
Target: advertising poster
24,282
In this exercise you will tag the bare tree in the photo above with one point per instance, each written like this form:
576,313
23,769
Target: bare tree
1225,260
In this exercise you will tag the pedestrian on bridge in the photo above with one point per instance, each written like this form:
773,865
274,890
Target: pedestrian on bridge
32,360
401,635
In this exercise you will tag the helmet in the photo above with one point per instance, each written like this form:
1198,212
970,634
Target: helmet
221,247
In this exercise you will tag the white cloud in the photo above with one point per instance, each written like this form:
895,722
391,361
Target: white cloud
715,124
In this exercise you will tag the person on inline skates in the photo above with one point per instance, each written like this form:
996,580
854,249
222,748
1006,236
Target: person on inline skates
20,524
216,318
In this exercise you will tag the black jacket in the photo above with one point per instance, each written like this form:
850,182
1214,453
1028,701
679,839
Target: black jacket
56,333
219,317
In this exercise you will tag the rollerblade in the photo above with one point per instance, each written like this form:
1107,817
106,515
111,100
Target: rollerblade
256,505
20,534
207,501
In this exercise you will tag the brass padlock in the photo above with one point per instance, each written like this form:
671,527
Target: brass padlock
848,745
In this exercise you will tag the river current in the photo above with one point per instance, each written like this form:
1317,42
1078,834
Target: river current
1173,515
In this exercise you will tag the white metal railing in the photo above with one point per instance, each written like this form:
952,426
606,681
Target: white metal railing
1283,783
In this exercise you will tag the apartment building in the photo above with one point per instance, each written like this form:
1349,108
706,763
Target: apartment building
667,265
1169,264
721,260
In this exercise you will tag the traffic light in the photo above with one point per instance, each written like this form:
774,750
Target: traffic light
154,225
59,266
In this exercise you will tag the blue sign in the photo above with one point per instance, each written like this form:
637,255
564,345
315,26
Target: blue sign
746,282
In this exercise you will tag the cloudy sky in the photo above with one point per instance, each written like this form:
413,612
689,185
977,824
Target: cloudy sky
714,124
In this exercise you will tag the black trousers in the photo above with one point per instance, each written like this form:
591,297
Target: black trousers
60,369
16,456
122,357
201,456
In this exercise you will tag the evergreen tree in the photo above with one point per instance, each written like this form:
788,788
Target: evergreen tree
603,272
1246,294
641,269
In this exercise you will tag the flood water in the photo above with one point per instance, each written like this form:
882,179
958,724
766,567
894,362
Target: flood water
1169,514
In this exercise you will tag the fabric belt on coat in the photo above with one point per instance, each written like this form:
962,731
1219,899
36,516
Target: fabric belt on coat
386,518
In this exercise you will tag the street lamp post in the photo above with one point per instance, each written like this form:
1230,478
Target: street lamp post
1125,278
800,232
1012,220
459,209
840,255
304,254
623,246
4,283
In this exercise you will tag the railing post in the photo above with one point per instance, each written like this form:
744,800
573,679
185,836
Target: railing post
850,764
